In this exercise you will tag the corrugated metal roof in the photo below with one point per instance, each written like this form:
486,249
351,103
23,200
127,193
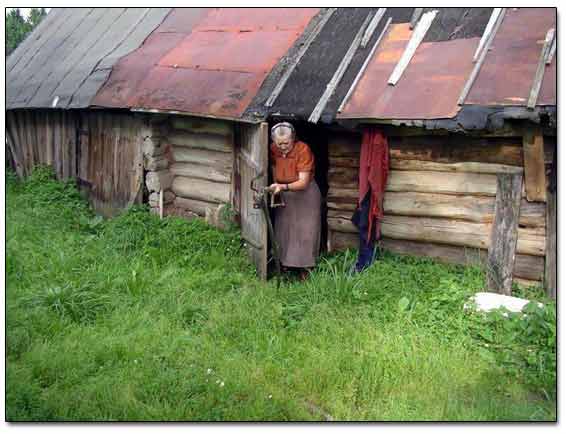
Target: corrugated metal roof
428,89
507,73
225,62
215,69
432,83
66,59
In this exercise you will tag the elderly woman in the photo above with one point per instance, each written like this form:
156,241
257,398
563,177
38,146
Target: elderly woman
297,224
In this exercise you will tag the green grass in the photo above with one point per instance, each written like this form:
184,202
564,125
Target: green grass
137,318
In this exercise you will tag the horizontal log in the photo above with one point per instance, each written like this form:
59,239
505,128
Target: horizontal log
532,214
444,231
441,182
351,162
196,206
526,282
212,142
526,266
219,160
200,189
344,144
193,170
428,182
470,208
457,148
471,167
531,241
200,125
157,181
168,197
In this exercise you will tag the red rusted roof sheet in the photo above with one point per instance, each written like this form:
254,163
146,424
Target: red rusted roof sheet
509,68
205,61
428,89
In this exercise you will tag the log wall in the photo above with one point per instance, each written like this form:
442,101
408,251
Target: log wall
439,200
200,156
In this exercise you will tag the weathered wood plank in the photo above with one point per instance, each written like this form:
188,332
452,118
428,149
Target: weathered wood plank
442,182
192,170
483,184
211,142
219,160
200,189
201,125
472,167
504,234
526,266
550,275
535,178
457,149
532,214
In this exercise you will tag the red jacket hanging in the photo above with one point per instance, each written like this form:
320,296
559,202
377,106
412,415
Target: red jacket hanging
374,169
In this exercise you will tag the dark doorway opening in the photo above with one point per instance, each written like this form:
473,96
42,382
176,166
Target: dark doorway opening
316,137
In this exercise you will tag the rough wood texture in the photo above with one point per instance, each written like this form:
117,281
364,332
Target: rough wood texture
220,160
192,170
504,234
198,207
532,214
157,181
550,276
253,142
456,148
535,179
212,142
442,182
201,125
425,182
200,189
168,197
472,167
153,146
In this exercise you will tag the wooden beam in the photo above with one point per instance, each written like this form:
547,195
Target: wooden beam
533,156
312,36
366,62
372,26
539,74
551,52
415,17
479,62
333,83
504,233
550,276
487,32
416,38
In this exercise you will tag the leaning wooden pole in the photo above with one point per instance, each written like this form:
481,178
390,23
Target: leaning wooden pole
504,233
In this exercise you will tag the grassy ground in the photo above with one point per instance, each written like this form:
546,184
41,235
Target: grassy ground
138,318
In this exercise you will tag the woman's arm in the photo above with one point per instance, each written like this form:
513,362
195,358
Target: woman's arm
298,185
302,183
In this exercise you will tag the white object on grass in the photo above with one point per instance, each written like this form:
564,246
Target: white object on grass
488,301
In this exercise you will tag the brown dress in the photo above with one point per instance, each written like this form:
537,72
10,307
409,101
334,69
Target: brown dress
297,224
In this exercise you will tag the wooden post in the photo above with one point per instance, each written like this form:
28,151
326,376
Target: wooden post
550,263
504,233
533,156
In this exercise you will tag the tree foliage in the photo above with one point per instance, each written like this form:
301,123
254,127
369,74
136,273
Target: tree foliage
18,27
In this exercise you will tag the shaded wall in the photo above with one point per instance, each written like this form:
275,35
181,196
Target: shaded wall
439,199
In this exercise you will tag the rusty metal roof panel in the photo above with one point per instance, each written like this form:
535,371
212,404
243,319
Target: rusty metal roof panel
507,74
429,87
215,69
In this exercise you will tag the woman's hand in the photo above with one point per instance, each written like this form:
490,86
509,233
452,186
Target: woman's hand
276,188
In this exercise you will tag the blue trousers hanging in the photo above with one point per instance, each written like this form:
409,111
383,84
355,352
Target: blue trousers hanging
367,250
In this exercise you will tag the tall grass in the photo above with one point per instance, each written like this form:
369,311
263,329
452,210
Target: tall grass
138,318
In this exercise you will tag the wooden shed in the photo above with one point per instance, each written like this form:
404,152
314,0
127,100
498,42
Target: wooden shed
153,105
